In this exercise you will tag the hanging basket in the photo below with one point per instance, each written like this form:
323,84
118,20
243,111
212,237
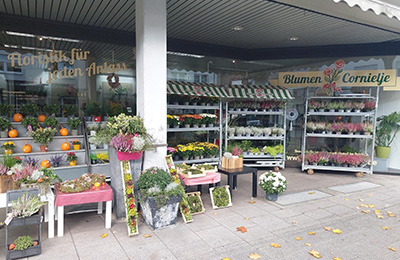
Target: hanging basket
128,156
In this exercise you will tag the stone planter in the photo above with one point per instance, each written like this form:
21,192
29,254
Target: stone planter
160,217
3,134
74,132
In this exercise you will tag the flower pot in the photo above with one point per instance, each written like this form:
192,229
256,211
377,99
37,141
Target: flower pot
74,132
97,118
358,110
176,158
8,151
176,126
93,161
186,158
72,163
93,146
129,156
57,164
203,125
331,110
311,110
321,110
348,110
3,134
77,146
210,125
92,132
341,110
105,146
195,126
160,217
197,157
186,103
187,126
43,148
271,197
383,152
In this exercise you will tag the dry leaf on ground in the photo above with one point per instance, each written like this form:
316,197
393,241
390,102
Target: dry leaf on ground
315,254
226,258
328,228
337,258
241,229
311,233
337,231
346,199
246,218
386,228
390,214
104,235
360,199
311,192
252,202
371,205
275,245
298,238
294,222
365,211
254,256
147,235
393,249
307,244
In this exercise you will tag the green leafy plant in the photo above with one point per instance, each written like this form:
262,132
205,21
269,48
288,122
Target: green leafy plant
50,122
195,203
52,109
74,123
93,156
23,242
4,124
245,145
6,109
42,136
70,110
29,109
387,128
272,182
92,108
8,160
220,197
32,121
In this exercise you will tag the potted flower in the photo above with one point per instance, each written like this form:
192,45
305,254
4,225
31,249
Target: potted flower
93,158
358,106
340,106
348,106
8,147
76,144
74,123
267,131
42,136
272,183
56,160
369,106
387,128
6,109
368,128
52,110
313,105
332,106
240,131
231,131
4,125
160,197
128,146
72,158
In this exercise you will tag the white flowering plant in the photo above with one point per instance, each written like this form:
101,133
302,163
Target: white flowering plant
272,182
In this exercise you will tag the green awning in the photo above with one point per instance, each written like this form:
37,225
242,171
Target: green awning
196,89
258,91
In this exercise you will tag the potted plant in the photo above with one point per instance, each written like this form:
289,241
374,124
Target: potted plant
93,158
50,122
52,110
220,197
160,197
56,160
386,130
74,123
33,122
128,146
42,136
272,183
6,109
4,125
93,109
70,110
76,144
8,147
29,109
72,158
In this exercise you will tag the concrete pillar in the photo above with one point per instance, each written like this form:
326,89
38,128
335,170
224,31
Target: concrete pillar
151,75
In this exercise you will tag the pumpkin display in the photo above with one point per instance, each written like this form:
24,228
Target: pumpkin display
65,146
45,163
13,133
17,117
41,118
64,131
27,148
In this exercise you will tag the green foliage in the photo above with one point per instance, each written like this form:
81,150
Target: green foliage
52,109
26,205
93,156
387,129
50,122
70,110
4,124
51,175
220,197
195,204
349,149
6,109
74,123
23,242
92,108
29,109
32,121
245,145
116,109
8,160
43,136
154,177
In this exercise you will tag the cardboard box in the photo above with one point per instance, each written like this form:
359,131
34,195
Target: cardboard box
232,163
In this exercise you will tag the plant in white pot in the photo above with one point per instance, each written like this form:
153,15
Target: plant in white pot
386,130
160,197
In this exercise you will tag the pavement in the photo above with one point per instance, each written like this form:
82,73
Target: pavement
349,207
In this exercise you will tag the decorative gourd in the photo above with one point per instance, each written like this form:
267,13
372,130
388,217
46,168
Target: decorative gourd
41,118
64,131
13,133
27,148
45,163
65,146
17,117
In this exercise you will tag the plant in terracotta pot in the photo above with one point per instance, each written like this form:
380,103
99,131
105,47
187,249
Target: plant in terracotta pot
160,197
74,123
72,158
42,136
272,183
386,130
4,125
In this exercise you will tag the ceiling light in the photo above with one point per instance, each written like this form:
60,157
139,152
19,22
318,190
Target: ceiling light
20,34
185,54
233,61
26,48
237,28
294,38
43,37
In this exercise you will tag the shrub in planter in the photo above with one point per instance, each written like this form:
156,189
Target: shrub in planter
4,124
29,109
32,121
159,197
50,122
6,109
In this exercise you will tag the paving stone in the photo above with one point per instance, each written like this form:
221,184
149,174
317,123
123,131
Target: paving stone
348,188
299,197
219,236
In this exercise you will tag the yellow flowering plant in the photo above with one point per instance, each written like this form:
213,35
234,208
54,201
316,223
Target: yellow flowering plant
8,145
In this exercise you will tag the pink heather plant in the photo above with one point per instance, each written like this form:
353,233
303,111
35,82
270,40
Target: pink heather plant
24,173
351,128
237,151
3,170
122,143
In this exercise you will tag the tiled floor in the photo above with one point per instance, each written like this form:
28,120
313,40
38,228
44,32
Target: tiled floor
213,234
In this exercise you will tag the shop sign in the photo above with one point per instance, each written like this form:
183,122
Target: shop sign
55,57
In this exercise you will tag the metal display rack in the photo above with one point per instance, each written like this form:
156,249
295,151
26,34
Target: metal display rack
366,142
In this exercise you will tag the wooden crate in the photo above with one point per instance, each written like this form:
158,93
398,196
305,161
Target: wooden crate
232,163
7,183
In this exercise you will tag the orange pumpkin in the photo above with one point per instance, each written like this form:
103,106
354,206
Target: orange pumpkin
65,146
41,118
17,117
13,133
45,163
27,148
64,131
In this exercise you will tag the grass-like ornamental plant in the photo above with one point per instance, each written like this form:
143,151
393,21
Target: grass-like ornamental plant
272,182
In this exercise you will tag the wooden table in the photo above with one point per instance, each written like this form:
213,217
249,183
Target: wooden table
232,177
99,195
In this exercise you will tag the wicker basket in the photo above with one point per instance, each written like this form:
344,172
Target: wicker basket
7,183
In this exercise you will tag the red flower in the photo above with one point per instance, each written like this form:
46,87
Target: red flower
131,206
327,71
326,86
339,64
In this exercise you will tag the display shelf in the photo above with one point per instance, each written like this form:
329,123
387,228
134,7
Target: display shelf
100,164
193,129
25,138
337,168
266,138
347,96
260,113
49,152
192,107
339,136
205,160
366,114
257,157
64,167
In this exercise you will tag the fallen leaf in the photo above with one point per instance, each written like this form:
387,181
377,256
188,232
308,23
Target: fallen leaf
252,202
215,213
363,205
328,228
393,249
360,199
377,211
241,229
307,244
275,245
386,228
337,231
337,258
357,207
365,211
371,205
147,235
311,192
226,258
390,214
254,256
346,199
114,232
298,238
311,233
315,254
246,218
104,235
131,257
294,222
380,216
